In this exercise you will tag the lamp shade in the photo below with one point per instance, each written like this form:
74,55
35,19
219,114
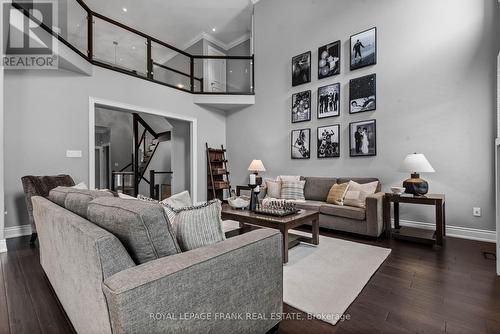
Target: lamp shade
416,163
256,166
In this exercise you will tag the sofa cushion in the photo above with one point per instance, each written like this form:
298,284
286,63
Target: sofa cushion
77,200
58,195
141,226
360,180
343,211
309,205
317,188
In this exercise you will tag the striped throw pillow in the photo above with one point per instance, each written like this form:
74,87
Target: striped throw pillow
293,190
197,226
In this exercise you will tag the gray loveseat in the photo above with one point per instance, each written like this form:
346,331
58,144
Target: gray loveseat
102,290
367,221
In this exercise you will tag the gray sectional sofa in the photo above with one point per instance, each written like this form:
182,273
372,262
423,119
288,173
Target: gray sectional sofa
367,221
103,290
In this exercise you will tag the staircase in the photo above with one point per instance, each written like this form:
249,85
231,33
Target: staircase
144,149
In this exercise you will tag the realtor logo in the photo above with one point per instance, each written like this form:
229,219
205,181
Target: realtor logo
26,42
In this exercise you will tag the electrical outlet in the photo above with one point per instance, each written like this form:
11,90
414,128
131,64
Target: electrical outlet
476,212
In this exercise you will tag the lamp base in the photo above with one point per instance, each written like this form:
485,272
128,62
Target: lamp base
416,186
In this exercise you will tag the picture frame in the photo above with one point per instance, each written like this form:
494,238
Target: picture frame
363,138
300,147
363,49
329,57
301,107
328,101
301,69
363,94
328,139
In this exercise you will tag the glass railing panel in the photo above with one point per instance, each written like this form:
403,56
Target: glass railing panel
119,48
171,67
226,75
76,26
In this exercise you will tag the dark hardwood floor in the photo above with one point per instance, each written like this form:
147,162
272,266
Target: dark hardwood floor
418,289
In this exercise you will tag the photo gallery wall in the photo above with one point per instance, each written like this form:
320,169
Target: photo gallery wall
362,98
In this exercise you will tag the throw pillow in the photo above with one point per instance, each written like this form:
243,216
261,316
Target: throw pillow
141,226
80,185
356,193
293,190
273,189
179,200
125,196
290,178
197,226
337,193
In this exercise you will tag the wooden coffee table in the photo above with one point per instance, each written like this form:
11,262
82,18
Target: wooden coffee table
280,223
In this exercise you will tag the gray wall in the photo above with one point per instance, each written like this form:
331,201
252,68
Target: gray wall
181,153
47,112
122,136
435,87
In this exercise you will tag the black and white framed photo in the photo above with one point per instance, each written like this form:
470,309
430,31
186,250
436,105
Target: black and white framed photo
329,60
329,101
364,49
363,138
301,107
328,141
301,144
363,94
301,69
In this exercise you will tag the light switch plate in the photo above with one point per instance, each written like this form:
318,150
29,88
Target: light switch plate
73,154
476,212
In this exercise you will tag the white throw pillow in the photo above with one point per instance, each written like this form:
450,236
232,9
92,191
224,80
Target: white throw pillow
273,189
125,196
356,193
289,178
80,185
179,200
293,190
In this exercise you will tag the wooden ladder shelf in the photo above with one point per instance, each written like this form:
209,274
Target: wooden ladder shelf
218,174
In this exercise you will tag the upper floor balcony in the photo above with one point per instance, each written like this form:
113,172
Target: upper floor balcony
201,69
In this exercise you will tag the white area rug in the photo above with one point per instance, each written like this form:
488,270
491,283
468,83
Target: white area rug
324,280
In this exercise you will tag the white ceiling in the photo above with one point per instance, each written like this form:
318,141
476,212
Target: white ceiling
181,22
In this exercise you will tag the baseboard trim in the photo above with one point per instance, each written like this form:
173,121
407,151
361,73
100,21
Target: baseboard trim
3,246
456,231
17,231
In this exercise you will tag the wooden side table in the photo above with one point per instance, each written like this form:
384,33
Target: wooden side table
415,234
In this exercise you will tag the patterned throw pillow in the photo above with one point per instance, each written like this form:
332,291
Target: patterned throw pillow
337,194
356,193
147,199
293,190
197,226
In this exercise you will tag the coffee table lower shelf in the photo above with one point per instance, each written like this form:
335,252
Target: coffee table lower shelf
414,234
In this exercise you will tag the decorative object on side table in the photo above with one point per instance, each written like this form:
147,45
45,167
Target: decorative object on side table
255,167
416,163
254,195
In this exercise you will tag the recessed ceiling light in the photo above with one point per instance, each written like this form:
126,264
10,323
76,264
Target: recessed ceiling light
133,47
124,9
213,29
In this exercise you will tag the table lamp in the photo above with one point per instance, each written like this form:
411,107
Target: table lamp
255,167
416,163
